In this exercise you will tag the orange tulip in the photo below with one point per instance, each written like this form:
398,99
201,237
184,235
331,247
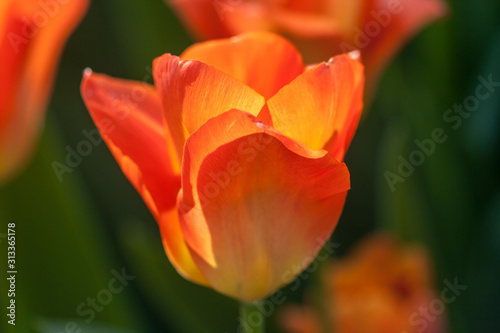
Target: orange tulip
383,287
378,28
32,35
238,153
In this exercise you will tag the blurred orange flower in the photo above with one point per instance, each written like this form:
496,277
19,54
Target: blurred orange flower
321,28
238,154
382,287
32,35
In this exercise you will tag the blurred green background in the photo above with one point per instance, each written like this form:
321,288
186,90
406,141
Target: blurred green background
74,235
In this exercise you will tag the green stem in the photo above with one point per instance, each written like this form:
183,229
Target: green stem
251,318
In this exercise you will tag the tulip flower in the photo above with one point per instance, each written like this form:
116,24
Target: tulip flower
383,287
319,27
32,35
237,151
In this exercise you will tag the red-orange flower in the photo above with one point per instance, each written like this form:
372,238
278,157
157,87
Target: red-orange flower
238,154
32,35
383,287
378,28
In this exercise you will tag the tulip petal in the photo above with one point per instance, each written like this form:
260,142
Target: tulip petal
306,25
12,56
202,17
263,61
176,248
128,115
270,200
321,108
31,42
48,44
193,92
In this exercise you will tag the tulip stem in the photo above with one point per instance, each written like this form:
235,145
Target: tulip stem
251,318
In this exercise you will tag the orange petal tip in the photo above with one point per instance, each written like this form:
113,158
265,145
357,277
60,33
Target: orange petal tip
87,72
355,55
